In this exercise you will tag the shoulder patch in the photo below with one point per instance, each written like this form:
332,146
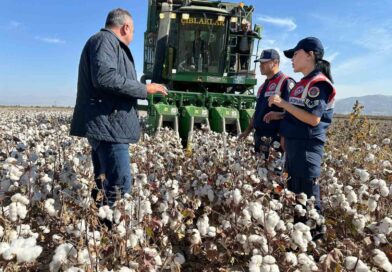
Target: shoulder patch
299,90
311,103
291,83
272,87
314,92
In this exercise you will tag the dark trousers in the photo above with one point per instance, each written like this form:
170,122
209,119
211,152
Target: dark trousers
308,186
303,158
263,143
112,171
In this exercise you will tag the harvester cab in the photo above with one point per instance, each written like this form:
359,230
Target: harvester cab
202,51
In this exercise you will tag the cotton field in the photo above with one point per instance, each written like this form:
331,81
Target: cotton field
215,207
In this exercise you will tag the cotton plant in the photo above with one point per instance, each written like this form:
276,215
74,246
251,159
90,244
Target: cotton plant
381,260
301,236
354,264
64,255
17,209
23,249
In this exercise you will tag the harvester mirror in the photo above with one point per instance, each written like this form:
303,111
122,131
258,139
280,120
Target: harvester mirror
258,29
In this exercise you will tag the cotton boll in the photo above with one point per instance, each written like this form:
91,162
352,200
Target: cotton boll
179,259
384,227
210,194
351,195
105,212
359,222
127,269
370,158
307,263
386,141
275,205
83,257
352,262
259,240
302,198
272,219
4,247
194,238
237,197
49,207
362,174
245,219
241,238
381,260
255,263
62,255
373,202
301,236
117,216
384,191
18,198
291,258
45,179
203,224
257,212
211,231
16,210
134,168
133,240
25,250
300,210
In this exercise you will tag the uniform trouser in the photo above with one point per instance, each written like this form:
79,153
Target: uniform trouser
263,143
303,161
112,171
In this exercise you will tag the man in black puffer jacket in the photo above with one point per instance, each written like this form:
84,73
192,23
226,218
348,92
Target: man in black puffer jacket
106,104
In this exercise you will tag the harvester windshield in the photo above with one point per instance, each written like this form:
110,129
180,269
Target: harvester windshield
201,43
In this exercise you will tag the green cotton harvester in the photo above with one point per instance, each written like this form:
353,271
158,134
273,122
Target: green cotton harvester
202,52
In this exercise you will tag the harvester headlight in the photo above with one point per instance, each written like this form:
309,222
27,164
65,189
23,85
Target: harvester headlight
221,18
161,16
185,16
233,20
173,15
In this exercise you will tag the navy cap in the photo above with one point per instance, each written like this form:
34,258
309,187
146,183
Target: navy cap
307,44
267,55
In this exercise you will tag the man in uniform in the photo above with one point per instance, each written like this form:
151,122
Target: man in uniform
266,119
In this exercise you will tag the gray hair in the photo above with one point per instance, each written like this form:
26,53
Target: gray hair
117,17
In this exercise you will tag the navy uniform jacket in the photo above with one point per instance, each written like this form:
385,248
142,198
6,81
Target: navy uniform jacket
305,143
316,95
280,85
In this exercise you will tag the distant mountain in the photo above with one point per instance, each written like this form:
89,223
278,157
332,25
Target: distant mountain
373,105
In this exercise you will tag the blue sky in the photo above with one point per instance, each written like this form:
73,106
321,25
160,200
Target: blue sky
41,42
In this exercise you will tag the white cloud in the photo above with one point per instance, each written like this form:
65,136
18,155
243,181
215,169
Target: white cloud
377,39
13,25
282,22
331,57
50,40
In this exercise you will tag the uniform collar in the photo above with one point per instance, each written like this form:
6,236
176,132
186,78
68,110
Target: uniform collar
274,76
314,73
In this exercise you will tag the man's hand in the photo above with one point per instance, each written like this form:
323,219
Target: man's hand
153,88
276,100
272,116
244,134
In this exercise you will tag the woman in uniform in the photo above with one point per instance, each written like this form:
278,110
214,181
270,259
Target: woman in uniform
309,111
